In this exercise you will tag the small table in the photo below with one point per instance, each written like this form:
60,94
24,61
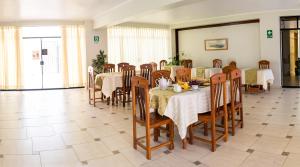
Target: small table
257,76
205,72
173,70
109,82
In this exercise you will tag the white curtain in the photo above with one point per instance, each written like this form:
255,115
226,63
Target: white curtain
74,55
138,45
9,58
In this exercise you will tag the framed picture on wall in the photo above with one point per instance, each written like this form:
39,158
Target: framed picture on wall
216,44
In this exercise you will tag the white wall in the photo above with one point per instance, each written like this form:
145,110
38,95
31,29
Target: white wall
269,47
92,49
243,45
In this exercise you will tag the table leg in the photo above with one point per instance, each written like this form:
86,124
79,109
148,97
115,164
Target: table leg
184,143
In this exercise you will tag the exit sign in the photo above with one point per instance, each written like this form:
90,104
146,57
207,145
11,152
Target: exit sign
269,33
96,39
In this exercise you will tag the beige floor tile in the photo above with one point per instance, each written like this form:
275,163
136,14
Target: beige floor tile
270,144
47,143
225,156
115,160
292,161
261,159
40,131
92,150
66,127
16,147
22,161
60,158
102,131
13,133
294,145
76,138
116,142
241,141
276,130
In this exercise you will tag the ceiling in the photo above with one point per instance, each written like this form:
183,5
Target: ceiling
111,12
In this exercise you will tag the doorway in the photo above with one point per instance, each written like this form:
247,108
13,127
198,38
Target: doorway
41,58
290,51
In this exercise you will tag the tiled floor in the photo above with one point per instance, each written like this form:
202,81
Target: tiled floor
60,129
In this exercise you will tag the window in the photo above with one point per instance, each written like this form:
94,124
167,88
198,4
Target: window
138,45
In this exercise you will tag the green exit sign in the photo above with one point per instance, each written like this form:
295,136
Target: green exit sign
96,39
269,33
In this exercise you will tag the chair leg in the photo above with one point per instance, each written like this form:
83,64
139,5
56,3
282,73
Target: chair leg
134,134
232,122
205,129
242,117
94,95
171,136
191,135
124,98
108,100
148,149
213,136
225,127
89,96
156,134
113,98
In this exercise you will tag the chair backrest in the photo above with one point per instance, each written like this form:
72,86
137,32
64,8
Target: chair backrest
146,70
91,77
264,64
217,91
140,98
127,73
217,63
121,65
183,74
154,66
232,64
162,63
227,71
157,75
109,68
235,86
187,63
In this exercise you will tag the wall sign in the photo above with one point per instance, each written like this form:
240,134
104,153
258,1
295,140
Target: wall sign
269,33
96,39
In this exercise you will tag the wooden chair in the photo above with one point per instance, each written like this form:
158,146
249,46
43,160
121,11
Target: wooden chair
141,114
187,63
127,73
146,70
183,74
162,63
109,68
218,111
264,64
217,63
154,66
236,102
227,71
121,65
232,64
92,87
157,75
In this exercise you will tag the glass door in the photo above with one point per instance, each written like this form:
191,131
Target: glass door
42,63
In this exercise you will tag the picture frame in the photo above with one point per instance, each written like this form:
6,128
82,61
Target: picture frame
216,44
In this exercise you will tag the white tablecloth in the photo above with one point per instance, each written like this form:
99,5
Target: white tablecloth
264,77
184,108
110,82
208,72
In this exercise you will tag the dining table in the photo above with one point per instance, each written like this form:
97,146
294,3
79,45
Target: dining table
183,108
254,76
109,82
204,72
